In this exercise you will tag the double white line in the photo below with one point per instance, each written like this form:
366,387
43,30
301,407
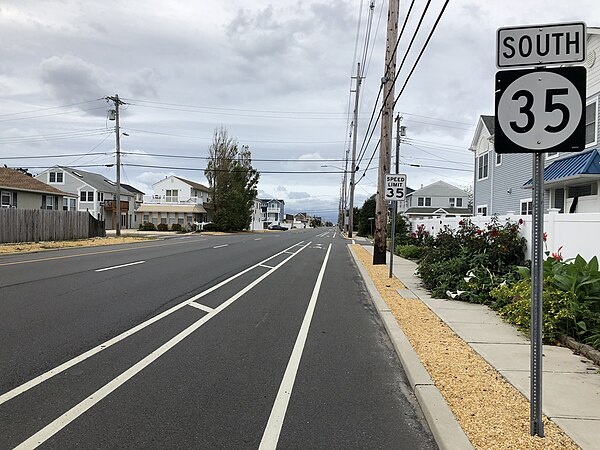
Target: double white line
58,424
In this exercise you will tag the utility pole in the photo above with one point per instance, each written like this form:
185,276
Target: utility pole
117,103
353,169
381,212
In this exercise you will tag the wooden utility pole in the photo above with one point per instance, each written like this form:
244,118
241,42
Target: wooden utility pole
385,156
353,169
117,103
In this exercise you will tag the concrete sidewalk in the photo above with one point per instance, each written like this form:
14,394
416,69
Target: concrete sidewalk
571,383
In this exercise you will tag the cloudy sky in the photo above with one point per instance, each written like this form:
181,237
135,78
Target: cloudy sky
276,74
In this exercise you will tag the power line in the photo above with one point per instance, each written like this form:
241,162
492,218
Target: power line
53,114
49,108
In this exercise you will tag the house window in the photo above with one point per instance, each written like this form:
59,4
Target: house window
189,218
590,123
582,190
48,202
56,177
452,202
482,166
155,218
459,202
427,201
420,201
482,210
526,207
6,200
163,219
172,195
100,196
498,159
87,196
180,220
146,218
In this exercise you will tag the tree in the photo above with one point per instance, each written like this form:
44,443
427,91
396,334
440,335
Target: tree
366,212
232,181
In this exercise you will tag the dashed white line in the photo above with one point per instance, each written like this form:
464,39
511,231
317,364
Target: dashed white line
122,265
265,266
257,239
205,308
221,246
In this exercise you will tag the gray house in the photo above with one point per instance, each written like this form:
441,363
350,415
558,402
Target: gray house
93,193
502,182
435,200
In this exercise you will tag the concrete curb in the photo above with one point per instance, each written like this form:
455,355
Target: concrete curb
447,432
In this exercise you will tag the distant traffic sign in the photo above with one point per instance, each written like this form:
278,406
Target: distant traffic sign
541,45
395,187
540,111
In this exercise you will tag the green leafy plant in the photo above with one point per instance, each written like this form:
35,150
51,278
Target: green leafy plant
410,251
162,227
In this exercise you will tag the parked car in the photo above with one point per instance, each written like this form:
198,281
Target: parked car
276,226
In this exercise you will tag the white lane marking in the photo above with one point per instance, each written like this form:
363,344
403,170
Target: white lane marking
334,235
287,253
118,267
265,266
353,242
221,246
257,239
273,429
58,424
74,361
202,307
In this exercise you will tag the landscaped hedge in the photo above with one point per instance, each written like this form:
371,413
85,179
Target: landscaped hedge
487,266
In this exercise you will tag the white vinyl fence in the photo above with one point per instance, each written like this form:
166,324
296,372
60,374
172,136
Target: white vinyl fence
576,233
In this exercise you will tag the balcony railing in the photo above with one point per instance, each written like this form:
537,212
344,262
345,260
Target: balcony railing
109,205
172,200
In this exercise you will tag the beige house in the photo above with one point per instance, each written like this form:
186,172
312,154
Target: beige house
22,191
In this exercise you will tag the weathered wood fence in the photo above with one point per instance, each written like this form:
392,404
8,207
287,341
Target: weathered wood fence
34,225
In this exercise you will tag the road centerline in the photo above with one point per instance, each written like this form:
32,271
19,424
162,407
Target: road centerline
120,266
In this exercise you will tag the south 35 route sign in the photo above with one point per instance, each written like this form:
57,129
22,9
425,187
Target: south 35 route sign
540,110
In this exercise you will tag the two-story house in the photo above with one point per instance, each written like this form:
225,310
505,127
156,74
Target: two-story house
435,200
273,211
22,191
175,201
93,193
502,182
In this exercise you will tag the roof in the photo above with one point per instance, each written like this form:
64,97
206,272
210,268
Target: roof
97,181
439,189
13,179
194,184
183,208
131,188
488,121
579,164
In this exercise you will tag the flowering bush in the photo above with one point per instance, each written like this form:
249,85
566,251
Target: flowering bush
491,254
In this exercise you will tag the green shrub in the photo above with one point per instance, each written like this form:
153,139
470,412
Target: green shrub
176,227
148,226
410,251
162,227
211,227
513,303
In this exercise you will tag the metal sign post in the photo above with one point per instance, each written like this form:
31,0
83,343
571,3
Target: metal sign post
539,110
537,288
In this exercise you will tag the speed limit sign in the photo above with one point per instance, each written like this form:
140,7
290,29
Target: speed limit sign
540,110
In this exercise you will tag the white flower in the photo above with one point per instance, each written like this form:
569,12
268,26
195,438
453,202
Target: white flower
452,294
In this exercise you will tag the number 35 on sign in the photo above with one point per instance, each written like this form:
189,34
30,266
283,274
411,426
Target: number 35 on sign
540,110
395,187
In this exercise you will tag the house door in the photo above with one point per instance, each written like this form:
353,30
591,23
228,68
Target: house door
559,199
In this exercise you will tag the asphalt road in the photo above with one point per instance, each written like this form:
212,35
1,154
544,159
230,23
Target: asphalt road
241,341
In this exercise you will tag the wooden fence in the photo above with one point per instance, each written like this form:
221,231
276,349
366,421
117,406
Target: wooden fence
34,225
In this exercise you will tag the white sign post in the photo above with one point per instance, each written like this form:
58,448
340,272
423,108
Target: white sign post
538,111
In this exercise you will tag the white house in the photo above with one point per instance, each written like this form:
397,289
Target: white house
175,201
502,182
435,200
92,192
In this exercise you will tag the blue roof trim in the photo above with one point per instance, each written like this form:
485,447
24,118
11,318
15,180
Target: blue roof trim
586,163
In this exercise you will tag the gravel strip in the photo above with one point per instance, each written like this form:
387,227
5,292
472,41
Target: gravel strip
493,414
92,242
